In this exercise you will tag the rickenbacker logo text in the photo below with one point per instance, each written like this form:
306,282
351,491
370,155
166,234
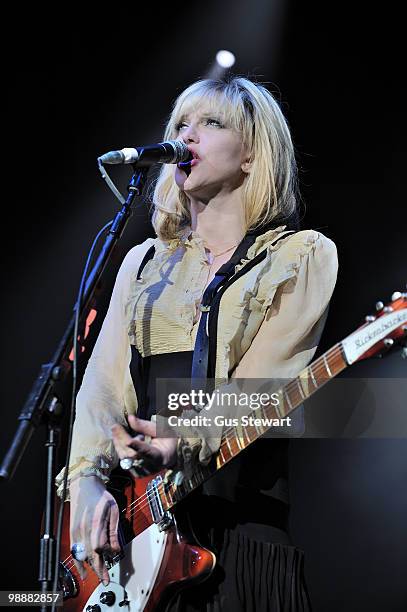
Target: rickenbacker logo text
393,321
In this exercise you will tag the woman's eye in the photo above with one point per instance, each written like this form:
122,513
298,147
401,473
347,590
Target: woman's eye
209,121
214,122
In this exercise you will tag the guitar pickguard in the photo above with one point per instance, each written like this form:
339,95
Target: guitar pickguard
133,578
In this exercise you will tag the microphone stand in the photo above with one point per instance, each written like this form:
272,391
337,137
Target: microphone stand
43,407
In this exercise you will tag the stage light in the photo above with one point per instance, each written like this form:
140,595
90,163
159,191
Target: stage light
225,59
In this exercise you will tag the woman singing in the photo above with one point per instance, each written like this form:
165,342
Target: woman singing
233,207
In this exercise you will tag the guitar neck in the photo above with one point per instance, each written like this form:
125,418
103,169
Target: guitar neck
236,439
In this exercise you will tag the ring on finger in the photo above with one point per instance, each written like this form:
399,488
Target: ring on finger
126,463
78,551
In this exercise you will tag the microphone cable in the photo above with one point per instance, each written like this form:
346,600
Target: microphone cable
73,404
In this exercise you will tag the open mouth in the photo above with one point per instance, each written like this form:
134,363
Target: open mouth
186,166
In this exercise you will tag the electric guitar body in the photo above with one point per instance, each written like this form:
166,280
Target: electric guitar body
157,560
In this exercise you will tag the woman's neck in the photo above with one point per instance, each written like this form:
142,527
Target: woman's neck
219,223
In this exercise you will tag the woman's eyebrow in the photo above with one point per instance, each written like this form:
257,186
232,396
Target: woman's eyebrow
201,113
210,111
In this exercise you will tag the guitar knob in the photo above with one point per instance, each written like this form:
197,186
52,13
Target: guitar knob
396,295
108,598
389,342
379,305
95,608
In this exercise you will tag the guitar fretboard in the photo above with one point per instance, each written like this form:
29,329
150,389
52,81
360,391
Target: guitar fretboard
237,438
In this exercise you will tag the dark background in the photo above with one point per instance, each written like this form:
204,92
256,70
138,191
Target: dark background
74,88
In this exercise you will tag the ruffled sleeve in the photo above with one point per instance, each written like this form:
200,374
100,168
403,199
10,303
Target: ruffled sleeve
106,394
288,337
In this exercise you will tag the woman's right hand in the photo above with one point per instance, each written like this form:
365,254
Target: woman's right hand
94,519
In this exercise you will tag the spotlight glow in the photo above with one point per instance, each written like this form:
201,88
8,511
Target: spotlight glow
225,59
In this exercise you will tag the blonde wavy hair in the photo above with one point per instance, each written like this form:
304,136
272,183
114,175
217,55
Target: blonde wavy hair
270,189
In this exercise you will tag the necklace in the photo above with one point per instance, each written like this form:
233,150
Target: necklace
222,252
212,256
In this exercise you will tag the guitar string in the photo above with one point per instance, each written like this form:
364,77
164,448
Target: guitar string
230,434
144,500
231,430
140,505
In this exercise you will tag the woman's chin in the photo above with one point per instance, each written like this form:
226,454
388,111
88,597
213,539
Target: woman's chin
186,183
181,178
190,185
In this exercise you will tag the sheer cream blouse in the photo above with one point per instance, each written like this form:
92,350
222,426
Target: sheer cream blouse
270,321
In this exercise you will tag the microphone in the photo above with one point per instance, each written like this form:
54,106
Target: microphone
169,152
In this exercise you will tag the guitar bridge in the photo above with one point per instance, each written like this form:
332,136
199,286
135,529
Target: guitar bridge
161,517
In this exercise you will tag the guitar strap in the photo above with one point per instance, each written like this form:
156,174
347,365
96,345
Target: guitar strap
148,255
204,356
203,363
200,358
201,350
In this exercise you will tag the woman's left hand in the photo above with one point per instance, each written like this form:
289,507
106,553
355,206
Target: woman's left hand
156,455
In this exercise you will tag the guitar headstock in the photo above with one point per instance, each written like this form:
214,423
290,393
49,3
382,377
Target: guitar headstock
381,331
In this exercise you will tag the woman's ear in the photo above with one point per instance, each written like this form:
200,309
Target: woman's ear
246,166
245,158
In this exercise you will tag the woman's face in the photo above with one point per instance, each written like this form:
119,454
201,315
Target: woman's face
219,163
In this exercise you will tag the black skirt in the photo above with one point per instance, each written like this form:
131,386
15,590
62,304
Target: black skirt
250,576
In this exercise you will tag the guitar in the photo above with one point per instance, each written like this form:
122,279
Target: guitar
158,554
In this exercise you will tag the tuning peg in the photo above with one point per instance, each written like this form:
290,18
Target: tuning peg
389,342
370,319
379,305
387,309
396,295
404,352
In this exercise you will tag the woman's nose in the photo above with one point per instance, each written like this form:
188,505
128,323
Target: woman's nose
190,134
